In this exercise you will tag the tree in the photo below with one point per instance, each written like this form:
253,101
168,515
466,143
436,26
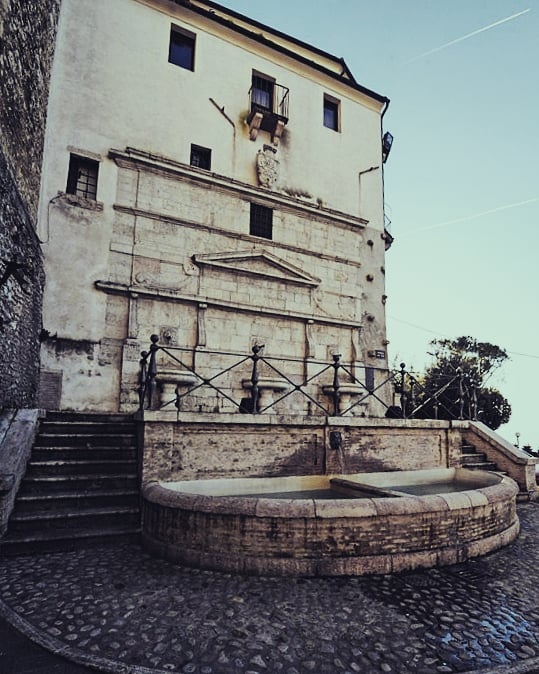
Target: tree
454,386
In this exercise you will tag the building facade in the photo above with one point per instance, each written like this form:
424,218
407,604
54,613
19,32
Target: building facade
219,184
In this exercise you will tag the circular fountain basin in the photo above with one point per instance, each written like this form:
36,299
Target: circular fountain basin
331,524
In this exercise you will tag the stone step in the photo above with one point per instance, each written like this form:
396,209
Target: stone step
79,467
475,460
477,457
483,465
21,543
80,488
83,453
93,417
40,484
85,440
87,427
27,503
87,519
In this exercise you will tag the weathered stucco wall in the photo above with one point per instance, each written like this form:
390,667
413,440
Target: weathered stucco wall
27,34
165,235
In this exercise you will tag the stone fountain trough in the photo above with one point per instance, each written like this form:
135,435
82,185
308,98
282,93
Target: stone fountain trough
341,524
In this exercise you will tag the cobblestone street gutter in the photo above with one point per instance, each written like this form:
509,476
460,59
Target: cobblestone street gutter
119,610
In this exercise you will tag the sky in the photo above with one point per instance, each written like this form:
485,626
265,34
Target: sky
462,179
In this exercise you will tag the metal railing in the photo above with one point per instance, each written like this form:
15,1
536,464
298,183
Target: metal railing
269,97
330,389
456,396
252,371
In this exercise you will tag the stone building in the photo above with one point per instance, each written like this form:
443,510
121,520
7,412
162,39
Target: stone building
217,183
27,34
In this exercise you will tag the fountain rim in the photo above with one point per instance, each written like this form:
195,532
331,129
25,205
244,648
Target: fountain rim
192,495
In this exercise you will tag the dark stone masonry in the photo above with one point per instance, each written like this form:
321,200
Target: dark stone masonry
27,35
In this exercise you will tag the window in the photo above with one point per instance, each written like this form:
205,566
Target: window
181,51
331,113
262,93
82,177
200,157
261,222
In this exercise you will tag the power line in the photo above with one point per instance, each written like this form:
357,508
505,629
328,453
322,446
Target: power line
467,218
439,334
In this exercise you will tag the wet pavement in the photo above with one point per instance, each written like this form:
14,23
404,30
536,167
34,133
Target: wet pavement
117,609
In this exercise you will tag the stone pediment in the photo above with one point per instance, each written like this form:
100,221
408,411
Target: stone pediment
257,263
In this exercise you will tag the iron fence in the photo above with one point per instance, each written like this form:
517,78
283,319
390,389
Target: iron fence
397,394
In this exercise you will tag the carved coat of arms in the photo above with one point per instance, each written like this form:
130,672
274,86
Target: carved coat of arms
267,166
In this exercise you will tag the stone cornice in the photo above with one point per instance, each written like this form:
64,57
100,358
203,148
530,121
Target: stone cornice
132,158
167,295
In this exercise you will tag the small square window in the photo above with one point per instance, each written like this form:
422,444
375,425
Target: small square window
261,221
200,157
82,177
331,113
181,51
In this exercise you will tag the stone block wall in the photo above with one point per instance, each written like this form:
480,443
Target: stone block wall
27,34
184,446
208,446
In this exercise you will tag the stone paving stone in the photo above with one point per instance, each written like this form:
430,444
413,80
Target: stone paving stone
125,611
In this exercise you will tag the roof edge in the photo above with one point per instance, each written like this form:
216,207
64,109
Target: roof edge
349,80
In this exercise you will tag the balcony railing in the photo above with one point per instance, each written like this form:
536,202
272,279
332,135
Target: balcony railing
268,105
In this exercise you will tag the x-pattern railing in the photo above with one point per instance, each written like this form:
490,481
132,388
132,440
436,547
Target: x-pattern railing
411,394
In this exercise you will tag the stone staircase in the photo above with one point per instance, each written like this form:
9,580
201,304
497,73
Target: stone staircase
80,486
475,460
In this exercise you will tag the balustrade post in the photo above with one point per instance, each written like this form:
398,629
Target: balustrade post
461,394
255,377
436,405
474,401
152,369
412,396
336,385
143,375
403,392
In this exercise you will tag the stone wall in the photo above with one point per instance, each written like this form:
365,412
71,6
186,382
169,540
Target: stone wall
272,446
17,433
184,446
27,34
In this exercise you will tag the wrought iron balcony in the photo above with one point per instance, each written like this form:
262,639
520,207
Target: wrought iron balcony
268,105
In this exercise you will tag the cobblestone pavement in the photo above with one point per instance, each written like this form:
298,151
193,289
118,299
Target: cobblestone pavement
120,610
